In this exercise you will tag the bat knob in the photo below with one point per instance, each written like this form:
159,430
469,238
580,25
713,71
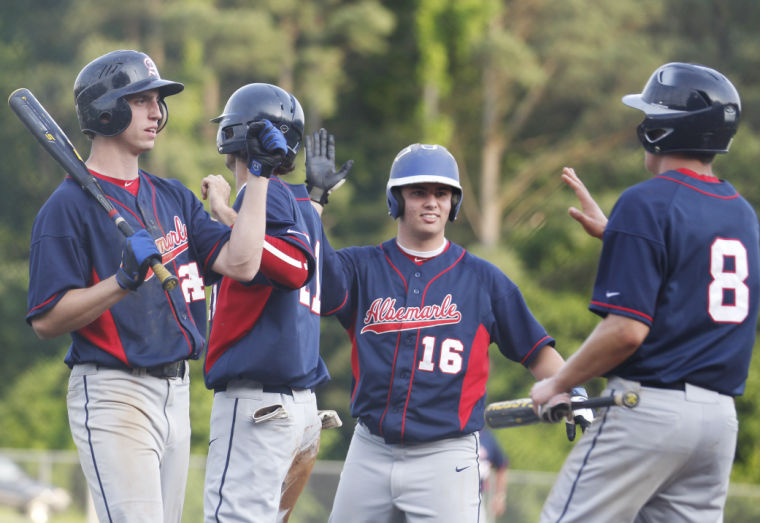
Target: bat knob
630,399
170,283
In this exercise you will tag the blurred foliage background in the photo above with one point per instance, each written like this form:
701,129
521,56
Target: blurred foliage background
515,89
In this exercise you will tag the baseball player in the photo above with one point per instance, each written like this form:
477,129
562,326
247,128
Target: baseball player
263,357
128,394
677,288
421,312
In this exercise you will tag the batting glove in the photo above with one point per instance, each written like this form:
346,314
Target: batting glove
581,417
266,147
555,409
139,251
321,178
330,419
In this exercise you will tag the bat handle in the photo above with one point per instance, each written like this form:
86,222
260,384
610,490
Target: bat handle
167,279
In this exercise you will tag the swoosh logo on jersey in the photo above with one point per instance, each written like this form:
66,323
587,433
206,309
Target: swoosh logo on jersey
460,469
383,316
609,294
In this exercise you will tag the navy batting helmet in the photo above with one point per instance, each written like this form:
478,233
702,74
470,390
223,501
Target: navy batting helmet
422,163
689,108
255,102
100,88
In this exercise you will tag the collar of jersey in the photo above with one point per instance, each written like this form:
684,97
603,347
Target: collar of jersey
421,254
701,177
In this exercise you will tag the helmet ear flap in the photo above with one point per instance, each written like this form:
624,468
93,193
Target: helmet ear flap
456,201
395,202
164,114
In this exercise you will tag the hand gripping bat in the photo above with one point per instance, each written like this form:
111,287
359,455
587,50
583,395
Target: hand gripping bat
515,413
52,138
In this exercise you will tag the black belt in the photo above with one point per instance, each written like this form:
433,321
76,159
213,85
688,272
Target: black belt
675,385
278,389
168,370
274,389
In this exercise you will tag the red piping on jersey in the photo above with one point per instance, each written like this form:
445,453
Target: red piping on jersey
538,344
153,202
475,377
339,307
390,389
305,245
704,177
43,303
417,344
622,309
395,357
176,271
211,252
102,332
735,195
127,209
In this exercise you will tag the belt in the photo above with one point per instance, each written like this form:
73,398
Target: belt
168,370
278,389
274,389
675,385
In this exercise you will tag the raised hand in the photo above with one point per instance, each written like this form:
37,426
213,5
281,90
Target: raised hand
591,216
321,177
266,147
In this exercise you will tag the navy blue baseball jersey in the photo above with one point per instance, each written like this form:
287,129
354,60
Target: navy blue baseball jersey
75,245
680,253
420,335
262,331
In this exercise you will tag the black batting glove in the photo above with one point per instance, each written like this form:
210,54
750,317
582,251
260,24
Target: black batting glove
321,178
139,251
266,147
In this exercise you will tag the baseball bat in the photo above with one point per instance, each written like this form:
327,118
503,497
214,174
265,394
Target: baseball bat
519,412
55,142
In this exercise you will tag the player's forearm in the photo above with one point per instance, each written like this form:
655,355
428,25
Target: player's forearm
613,341
240,257
223,213
548,361
78,308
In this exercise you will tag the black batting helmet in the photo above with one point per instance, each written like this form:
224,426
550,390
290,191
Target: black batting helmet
101,86
255,102
689,108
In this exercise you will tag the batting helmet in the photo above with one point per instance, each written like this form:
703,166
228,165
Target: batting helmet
101,86
254,102
689,108
422,163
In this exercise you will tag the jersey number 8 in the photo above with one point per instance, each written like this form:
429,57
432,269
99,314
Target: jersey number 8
728,281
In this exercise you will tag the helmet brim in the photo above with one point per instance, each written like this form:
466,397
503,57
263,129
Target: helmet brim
423,178
636,101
